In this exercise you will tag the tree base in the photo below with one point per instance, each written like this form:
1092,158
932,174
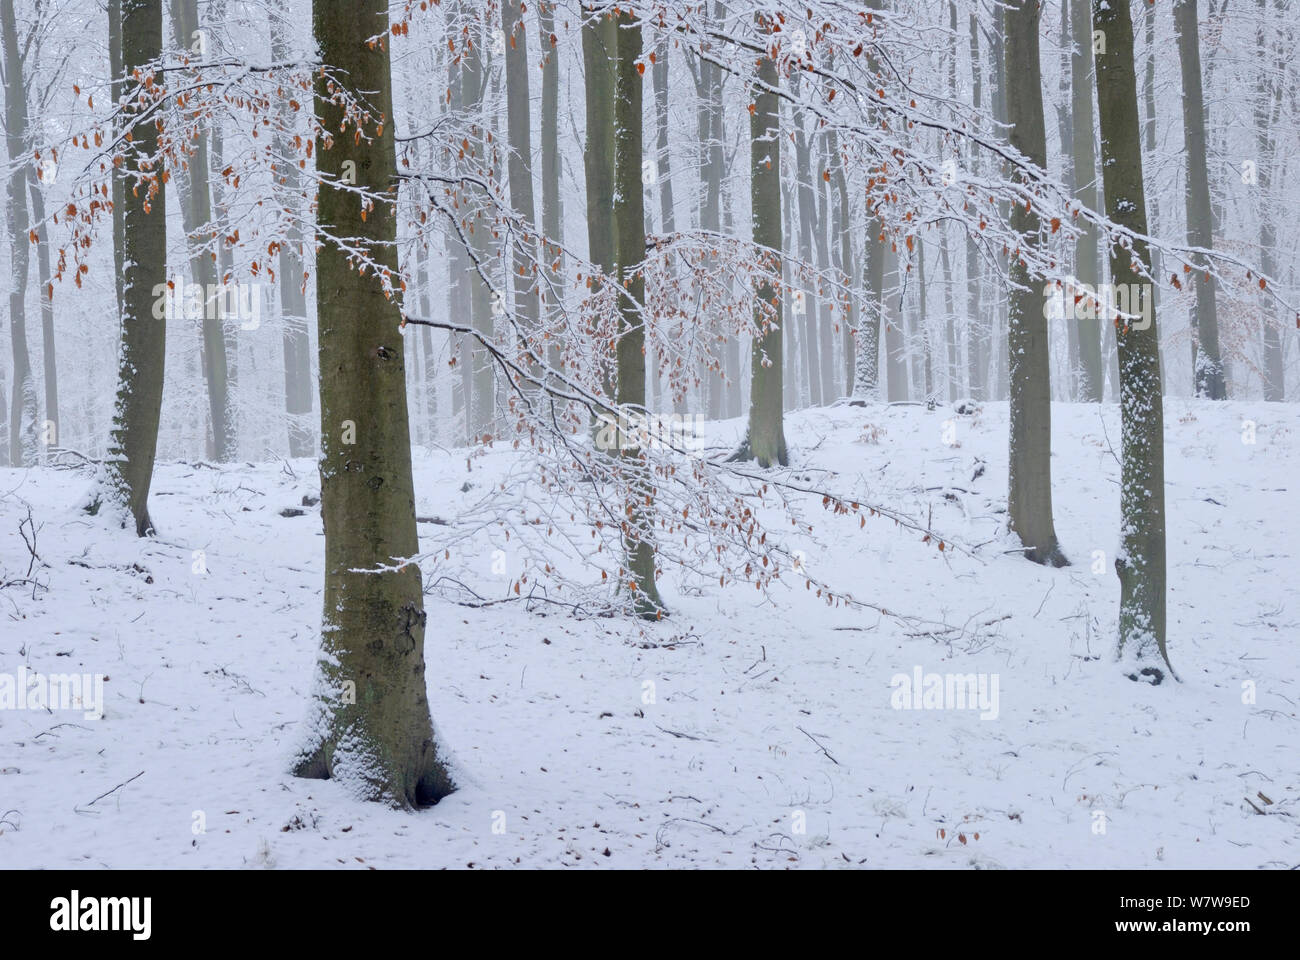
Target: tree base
1149,675
745,453
1050,556
421,785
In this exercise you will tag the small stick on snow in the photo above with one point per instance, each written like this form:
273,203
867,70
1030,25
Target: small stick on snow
819,746
115,789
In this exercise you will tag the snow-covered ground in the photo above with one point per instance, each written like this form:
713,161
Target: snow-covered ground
742,730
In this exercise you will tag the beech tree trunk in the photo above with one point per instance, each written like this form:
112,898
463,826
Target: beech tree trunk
765,439
1092,379
1029,496
1268,107
600,55
1207,364
520,166
811,306
1141,561
293,296
552,202
196,214
977,329
22,403
370,726
50,364
629,231
133,442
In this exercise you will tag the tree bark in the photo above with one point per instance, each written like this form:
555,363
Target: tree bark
293,296
891,318
923,323
482,416
50,364
117,83
629,232
22,404
552,201
1141,562
843,246
1149,141
710,131
1087,254
1029,496
1268,106
133,442
520,167
1065,135
765,439
370,726
977,341
600,54
818,395
1207,363
196,214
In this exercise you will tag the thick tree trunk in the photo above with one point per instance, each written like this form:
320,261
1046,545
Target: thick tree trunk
765,439
629,233
23,403
133,442
1029,496
1207,364
1141,562
370,726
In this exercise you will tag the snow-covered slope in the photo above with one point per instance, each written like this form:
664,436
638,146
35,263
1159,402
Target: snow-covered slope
744,729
